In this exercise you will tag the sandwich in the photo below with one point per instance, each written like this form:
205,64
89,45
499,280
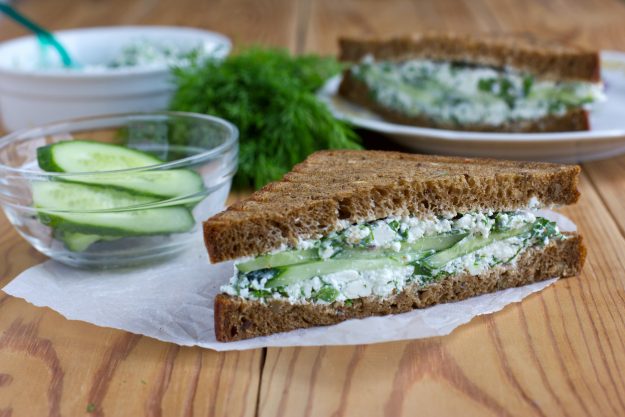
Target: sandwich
493,83
353,234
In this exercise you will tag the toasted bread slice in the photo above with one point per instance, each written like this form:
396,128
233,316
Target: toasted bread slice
359,186
519,51
237,318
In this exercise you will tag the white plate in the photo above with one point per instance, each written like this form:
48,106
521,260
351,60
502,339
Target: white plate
605,139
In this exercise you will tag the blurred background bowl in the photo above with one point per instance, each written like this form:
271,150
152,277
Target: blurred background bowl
36,89
204,144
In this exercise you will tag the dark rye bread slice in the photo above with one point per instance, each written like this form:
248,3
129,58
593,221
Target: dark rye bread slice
356,91
358,186
236,318
520,51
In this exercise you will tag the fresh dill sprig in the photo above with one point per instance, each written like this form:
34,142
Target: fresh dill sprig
270,96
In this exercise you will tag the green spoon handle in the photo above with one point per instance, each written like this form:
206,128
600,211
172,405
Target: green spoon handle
43,35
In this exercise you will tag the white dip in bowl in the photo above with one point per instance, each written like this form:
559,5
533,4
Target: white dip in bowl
36,89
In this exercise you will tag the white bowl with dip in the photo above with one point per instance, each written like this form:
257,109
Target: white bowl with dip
35,88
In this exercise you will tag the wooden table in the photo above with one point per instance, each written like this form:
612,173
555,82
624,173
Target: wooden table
558,353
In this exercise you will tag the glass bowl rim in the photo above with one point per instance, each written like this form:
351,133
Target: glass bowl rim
67,125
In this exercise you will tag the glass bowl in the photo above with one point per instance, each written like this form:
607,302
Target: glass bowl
73,235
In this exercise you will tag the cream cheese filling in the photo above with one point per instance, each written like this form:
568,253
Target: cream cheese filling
461,94
395,267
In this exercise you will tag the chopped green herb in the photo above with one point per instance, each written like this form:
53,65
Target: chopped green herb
91,407
394,225
260,293
327,294
528,82
486,84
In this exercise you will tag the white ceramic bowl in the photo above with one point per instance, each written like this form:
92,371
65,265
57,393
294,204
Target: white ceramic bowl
31,96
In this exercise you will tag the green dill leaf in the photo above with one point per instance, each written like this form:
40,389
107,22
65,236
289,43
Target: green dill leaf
270,96
528,82
261,293
394,225
421,269
327,294
486,84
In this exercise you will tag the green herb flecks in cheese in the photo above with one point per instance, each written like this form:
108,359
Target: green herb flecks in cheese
463,94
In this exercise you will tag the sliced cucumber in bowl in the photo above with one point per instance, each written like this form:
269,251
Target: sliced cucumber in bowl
103,211
89,156
99,204
80,156
79,242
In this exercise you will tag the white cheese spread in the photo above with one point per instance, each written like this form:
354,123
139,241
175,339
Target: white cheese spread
461,94
382,257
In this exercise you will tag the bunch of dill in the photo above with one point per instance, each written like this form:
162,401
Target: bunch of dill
270,96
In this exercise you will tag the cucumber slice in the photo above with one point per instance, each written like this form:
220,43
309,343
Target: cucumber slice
79,242
88,156
278,259
466,246
433,243
408,251
166,183
52,198
425,244
78,156
288,275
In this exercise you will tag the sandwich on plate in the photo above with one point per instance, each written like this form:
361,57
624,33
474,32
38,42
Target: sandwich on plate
353,234
492,83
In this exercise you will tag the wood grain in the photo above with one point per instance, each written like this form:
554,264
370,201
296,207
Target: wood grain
269,22
607,176
54,367
558,353
596,23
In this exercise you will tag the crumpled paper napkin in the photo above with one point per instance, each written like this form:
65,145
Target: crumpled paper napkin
173,302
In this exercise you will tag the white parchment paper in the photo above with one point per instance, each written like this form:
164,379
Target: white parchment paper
173,302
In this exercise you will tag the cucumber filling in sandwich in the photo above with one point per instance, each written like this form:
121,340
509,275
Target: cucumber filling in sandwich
460,93
382,257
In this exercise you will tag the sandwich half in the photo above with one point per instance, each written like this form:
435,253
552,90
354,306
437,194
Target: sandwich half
353,234
496,83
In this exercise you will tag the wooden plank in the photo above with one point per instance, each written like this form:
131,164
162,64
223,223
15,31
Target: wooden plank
559,352
270,22
608,176
52,366
596,23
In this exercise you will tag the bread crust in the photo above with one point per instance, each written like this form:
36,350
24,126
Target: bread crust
519,51
237,319
356,91
359,186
